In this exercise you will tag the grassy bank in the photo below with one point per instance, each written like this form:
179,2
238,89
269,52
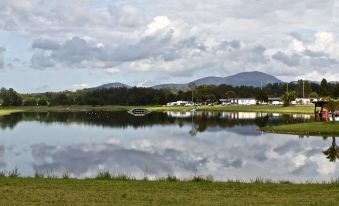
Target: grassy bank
8,111
313,128
30,191
244,108
229,108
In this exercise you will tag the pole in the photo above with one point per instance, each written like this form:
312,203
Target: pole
287,87
192,96
303,89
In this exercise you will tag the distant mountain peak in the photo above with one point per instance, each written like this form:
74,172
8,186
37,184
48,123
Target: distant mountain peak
113,85
252,78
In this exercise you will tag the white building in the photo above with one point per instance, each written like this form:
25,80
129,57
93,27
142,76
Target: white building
275,101
180,103
240,101
247,101
303,101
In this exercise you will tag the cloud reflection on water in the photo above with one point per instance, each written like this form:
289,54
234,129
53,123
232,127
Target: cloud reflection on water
229,157
236,151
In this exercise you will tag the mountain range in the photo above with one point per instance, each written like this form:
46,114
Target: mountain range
255,79
112,85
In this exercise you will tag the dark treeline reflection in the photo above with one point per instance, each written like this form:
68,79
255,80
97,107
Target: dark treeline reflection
200,120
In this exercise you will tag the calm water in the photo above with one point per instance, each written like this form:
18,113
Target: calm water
224,145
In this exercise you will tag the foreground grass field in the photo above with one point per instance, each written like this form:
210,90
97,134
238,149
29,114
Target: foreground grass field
30,191
313,128
230,108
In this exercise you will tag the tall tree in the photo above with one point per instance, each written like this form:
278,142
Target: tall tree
336,91
304,88
201,93
324,88
261,96
9,97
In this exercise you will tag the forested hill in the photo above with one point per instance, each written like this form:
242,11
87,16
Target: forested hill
254,79
151,96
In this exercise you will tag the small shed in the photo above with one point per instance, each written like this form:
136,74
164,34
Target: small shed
320,104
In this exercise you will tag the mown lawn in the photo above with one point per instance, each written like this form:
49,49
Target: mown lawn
29,191
230,108
244,108
313,128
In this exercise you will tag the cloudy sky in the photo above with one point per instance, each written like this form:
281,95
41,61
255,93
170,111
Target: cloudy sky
70,44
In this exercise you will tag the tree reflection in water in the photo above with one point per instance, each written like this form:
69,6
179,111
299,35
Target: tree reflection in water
332,153
198,121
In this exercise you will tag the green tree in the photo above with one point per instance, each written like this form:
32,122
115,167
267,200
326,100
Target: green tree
336,91
9,97
314,95
261,96
303,88
333,106
42,102
60,99
288,97
324,88
230,94
30,102
201,93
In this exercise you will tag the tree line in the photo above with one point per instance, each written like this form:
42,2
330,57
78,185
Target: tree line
150,96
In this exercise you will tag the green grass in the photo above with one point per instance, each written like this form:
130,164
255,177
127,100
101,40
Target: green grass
244,108
313,128
73,108
33,191
229,108
8,111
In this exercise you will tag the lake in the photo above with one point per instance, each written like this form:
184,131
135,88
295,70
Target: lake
225,145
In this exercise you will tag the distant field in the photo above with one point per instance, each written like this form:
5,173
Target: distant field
235,108
29,191
313,128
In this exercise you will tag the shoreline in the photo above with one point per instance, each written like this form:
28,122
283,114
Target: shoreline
217,108
306,129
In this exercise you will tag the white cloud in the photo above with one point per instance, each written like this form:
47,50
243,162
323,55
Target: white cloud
323,167
323,40
80,86
159,23
297,46
179,38
112,70
2,60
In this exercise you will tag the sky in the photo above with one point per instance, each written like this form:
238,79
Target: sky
48,45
